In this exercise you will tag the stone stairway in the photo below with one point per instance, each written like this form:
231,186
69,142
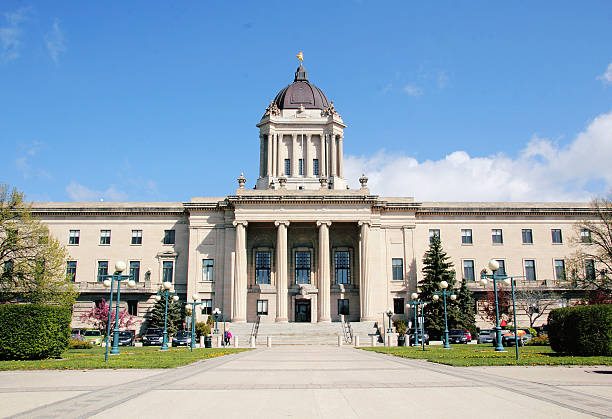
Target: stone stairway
300,333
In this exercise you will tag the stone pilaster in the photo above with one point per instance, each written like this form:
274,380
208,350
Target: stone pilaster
365,291
307,162
323,162
269,147
340,157
332,160
324,271
294,155
281,271
240,281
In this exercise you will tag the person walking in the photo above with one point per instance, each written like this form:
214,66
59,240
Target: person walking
228,337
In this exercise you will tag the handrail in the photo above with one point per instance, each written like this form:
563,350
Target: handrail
347,331
255,328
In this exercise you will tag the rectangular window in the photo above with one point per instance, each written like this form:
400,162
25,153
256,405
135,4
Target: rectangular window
132,307
468,270
105,236
167,271
585,235
560,269
342,266
398,305
262,307
302,267
496,236
433,233
589,269
207,269
263,266
288,167
556,236
206,306
527,236
530,273
71,266
136,236
315,167
168,236
343,307
301,166
74,237
135,270
398,269
502,267
466,236
102,270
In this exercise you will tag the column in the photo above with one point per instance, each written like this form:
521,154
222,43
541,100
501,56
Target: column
240,281
269,162
261,156
340,157
322,163
324,272
365,293
281,271
272,139
332,160
294,155
279,164
307,162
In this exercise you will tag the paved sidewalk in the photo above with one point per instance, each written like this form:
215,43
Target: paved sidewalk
311,381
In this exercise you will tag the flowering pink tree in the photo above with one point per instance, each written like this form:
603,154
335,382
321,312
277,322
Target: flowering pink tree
98,317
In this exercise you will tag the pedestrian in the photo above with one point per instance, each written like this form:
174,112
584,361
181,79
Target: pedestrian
228,337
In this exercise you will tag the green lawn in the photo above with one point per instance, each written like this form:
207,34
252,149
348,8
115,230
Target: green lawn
479,355
130,357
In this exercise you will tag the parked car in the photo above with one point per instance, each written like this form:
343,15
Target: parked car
410,333
153,337
468,334
486,336
457,336
77,334
181,338
126,338
528,336
508,337
93,336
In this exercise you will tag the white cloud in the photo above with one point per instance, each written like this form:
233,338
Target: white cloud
11,33
413,90
543,171
606,77
23,163
78,192
55,41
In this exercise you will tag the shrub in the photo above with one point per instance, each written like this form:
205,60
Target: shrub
533,332
581,330
538,341
400,326
202,329
33,331
79,344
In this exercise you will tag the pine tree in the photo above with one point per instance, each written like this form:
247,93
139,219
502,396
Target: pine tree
466,306
175,315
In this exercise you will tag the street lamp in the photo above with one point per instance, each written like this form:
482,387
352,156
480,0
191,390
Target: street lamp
216,315
444,293
508,280
389,314
166,286
108,283
415,303
196,301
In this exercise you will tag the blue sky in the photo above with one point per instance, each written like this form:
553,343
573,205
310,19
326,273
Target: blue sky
149,101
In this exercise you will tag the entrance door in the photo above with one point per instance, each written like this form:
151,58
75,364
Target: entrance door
302,311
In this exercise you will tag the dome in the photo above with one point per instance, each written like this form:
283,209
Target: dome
301,93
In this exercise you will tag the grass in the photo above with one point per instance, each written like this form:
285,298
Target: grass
485,355
130,357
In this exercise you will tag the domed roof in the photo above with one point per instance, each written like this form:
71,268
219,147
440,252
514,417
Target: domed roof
301,93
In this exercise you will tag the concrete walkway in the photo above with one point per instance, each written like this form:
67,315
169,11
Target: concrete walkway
311,381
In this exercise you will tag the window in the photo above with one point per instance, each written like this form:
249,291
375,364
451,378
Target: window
102,269
207,269
7,269
206,306
343,307
132,307
527,236
556,236
263,265
398,269
135,270
302,267
315,167
262,307
560,269
74,237
466,236
167,270
530,273
585,235
398,305
342,267
589,269
502,267
136,236
433,233
71,270
301,167
105,236
468,270
287,167
168,236
496,236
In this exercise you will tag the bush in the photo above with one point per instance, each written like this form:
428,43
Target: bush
582,330
538,341
533,332
33,331
79,344
400,327
202,329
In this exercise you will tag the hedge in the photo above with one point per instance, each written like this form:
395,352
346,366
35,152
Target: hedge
581,330
33,331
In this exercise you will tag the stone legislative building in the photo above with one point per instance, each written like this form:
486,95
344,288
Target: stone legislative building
301,246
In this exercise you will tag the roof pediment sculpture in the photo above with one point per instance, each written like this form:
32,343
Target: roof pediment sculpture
272,110
330,110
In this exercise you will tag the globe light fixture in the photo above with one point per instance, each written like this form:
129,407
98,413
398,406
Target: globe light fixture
493,265
196,297
120,266
414,296
167,285
436,297
107,283
131,283
453,297
158,298
443,285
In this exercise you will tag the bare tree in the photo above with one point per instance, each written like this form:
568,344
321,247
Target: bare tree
535,302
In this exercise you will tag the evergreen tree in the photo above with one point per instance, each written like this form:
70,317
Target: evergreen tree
176,315
466,309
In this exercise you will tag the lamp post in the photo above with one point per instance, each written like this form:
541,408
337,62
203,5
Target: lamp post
414,304
389,314
108,283
436,297
166,293
196,301
508,280
216,315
